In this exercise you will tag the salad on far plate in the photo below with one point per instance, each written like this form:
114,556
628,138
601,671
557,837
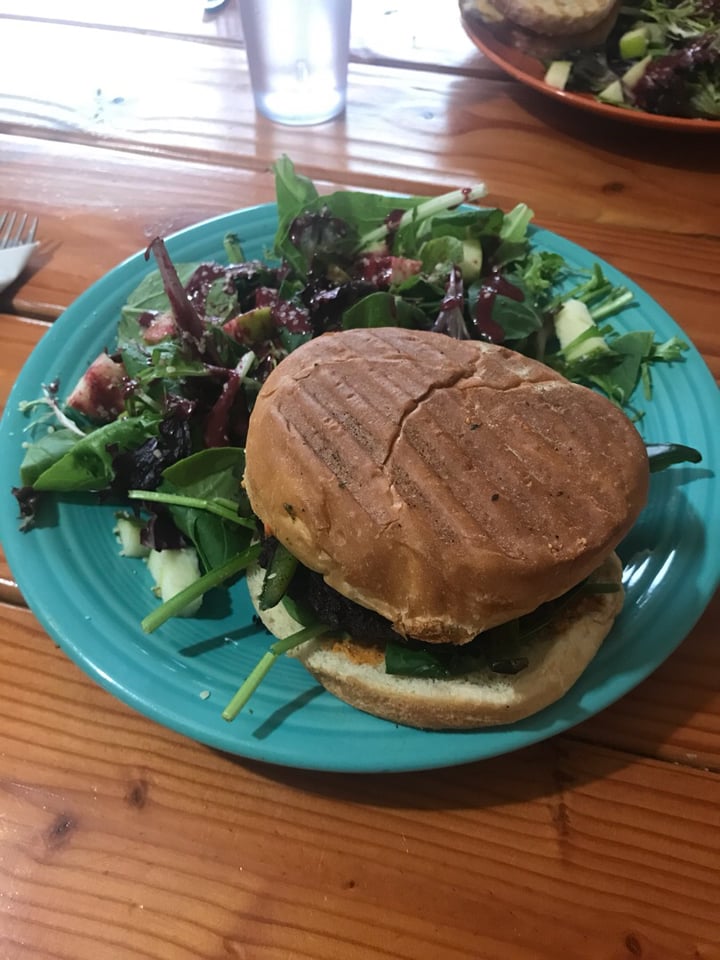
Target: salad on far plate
654,57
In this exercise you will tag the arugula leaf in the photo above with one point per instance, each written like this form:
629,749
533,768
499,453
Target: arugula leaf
540,271
619,382
664,455
407,661
87,464
422,293
228,352
669,351
293,194
514,239
439,254
290,340
363,211
166,360
41,454
705,99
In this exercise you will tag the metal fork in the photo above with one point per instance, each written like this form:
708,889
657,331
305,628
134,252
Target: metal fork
17,245
16,236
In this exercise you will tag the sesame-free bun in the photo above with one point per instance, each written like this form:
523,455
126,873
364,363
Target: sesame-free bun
557,656
557,17
448,485
557,34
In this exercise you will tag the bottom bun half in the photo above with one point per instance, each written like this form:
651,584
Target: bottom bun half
557,655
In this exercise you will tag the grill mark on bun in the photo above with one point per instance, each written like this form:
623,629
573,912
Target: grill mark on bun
473,454
353,432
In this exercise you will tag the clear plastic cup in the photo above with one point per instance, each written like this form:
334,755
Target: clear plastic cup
298,57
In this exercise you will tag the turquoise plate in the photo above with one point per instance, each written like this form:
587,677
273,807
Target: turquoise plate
91,601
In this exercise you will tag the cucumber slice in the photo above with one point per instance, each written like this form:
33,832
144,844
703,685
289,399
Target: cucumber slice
558,74
613,93
127,530
173,570
632,76
580,339
634,43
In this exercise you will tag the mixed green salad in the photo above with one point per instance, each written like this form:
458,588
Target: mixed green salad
157,423
662,57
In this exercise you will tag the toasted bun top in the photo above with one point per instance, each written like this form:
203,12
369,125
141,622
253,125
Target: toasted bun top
556,17
545,32
449,485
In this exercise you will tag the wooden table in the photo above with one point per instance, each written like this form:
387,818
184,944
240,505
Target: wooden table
120,839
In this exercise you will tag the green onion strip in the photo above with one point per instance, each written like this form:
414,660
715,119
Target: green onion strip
213,578
220,507
260,670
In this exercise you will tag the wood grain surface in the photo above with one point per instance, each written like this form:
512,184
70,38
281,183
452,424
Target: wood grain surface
122,840
156,848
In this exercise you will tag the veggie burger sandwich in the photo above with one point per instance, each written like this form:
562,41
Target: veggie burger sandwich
448,511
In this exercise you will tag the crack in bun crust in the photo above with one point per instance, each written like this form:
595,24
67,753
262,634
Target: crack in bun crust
448,485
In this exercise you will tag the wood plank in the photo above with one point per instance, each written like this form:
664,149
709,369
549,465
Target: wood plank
122,839
80,242
380,31
398,123
19,336
87,228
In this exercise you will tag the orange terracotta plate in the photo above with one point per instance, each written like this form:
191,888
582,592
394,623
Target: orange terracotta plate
530,71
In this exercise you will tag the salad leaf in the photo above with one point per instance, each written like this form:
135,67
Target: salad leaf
40,456
148,296
518,319
664,455
383,309
539,272
676,67
440,253
87,464
705,95
620,381
211,474
166,360
293,193
222,300
233,248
